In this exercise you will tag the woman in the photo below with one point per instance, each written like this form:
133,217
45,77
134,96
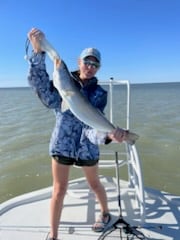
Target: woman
72,141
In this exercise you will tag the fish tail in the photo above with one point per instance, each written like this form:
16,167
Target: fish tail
131,137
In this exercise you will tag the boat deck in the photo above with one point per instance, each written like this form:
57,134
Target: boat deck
27,216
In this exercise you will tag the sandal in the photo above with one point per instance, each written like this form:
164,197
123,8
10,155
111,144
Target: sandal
101,222
50,238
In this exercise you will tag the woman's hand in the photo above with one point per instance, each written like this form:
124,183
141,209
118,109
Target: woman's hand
35,36
118,135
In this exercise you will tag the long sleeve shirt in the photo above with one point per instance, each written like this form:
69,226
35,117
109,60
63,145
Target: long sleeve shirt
70,137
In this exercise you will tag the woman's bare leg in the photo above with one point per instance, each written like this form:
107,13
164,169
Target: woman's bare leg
92,177
60,181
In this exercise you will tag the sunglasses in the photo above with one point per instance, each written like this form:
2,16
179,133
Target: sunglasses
93,64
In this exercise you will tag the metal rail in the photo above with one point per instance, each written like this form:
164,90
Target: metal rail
130,156
112,83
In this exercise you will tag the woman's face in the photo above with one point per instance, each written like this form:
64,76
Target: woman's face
88,67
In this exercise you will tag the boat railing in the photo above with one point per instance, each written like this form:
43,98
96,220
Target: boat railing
129,155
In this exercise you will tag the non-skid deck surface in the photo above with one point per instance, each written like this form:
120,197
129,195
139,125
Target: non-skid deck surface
30,219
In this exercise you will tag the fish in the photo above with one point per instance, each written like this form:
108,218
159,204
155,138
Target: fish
74,100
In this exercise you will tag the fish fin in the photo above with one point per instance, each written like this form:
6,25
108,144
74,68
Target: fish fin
64,106
69,93
57,63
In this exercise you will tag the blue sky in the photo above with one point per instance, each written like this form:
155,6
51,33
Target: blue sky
139,39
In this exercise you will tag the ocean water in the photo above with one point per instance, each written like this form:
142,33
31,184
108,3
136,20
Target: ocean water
26,125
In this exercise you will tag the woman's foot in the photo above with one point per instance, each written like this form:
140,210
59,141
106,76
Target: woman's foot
51,238
101,222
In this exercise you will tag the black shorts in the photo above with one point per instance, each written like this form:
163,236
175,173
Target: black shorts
73,161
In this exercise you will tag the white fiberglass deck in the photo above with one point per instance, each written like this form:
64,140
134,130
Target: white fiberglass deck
26,217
